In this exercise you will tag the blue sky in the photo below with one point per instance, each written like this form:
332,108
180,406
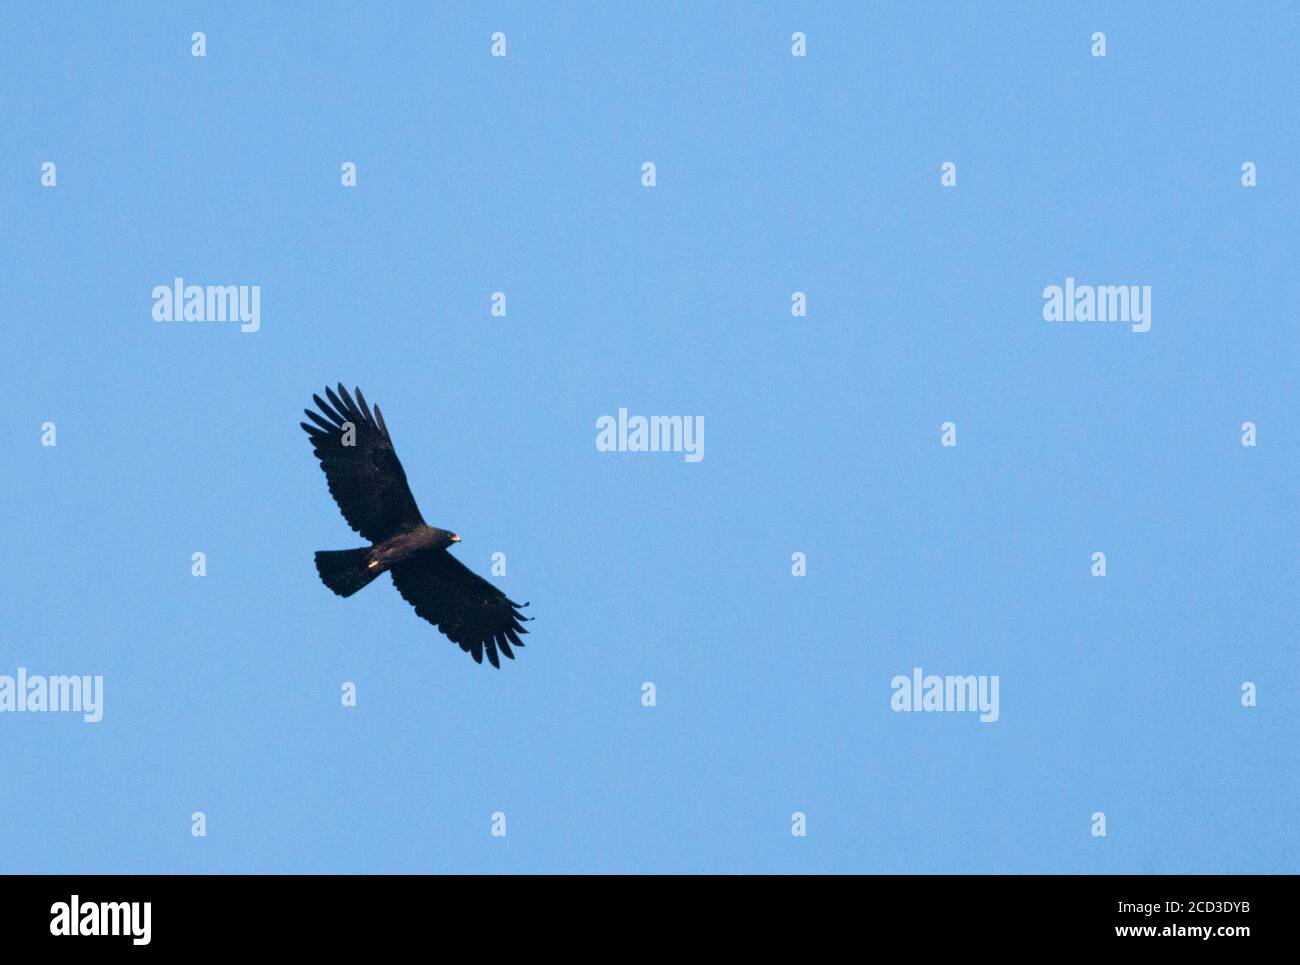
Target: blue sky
775,174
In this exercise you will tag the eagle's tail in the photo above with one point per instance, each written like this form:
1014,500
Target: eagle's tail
346,571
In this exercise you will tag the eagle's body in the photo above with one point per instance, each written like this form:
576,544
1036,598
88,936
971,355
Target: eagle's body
369,485
397,548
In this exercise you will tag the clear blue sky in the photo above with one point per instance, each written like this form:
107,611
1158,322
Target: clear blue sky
775,174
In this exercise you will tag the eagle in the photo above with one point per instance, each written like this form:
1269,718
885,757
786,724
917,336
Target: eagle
368,483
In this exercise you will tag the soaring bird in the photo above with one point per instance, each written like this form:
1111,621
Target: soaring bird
369,485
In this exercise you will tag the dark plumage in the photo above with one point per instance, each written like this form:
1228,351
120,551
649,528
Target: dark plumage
369,485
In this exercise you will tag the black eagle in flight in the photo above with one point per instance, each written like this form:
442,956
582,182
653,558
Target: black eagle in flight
369,484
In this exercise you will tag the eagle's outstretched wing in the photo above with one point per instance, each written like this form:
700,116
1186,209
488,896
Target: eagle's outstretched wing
365,478
467,608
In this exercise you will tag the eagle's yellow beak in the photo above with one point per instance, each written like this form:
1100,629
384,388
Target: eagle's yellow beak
455,538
